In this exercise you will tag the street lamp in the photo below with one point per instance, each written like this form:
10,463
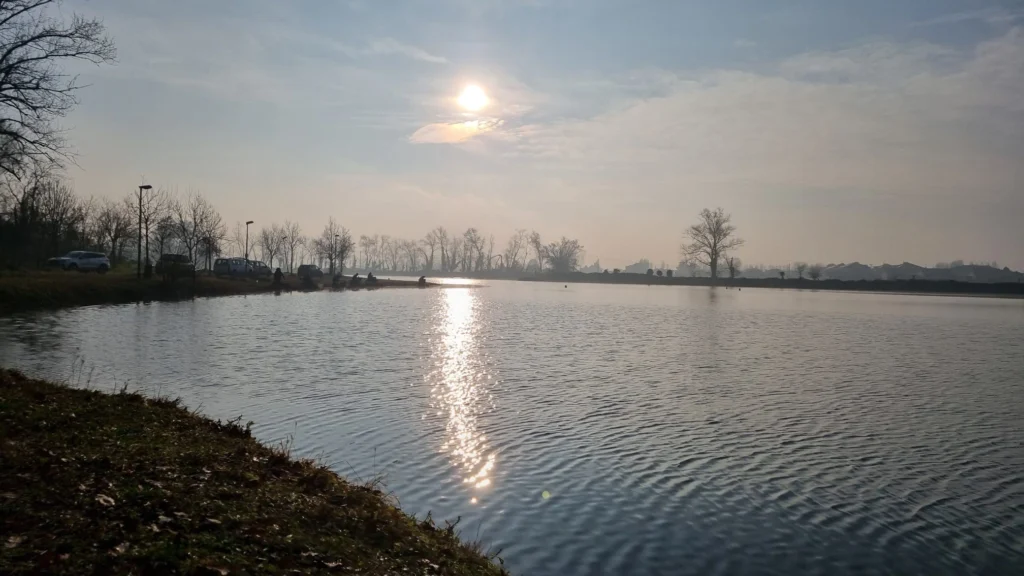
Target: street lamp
247,242
138,265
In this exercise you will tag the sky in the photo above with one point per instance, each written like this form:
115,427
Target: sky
841,131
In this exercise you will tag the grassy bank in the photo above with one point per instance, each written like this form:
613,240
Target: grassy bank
54,289
94,483
935,287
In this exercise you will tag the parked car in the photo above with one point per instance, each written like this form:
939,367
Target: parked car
229,267
82,261
178,263
258,269
309,272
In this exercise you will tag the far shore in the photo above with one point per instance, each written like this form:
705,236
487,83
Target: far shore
909,287
46,289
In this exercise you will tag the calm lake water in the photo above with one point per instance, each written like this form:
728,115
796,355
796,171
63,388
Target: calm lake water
616,429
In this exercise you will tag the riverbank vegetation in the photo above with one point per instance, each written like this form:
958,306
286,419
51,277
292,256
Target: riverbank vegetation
1005,289
94,483
35,290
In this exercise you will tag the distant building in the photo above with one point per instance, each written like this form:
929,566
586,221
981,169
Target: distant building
640,267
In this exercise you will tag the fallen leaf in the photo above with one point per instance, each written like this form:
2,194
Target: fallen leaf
105,500
164,519
14,541
213,521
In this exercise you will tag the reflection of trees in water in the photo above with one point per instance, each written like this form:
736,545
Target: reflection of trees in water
42,333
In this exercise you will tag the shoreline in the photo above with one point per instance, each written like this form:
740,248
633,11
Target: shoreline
92,482
1013,291
52,290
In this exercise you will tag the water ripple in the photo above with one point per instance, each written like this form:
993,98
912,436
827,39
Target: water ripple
618,429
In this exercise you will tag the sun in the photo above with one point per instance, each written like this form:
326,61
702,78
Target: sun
473,98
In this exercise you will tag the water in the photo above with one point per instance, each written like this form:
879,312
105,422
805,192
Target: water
673,430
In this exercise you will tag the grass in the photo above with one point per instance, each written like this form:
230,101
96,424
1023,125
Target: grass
94,483
34,290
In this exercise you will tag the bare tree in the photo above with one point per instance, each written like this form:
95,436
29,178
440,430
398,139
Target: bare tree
334,245
538,248
114,225
58,207
800,268
456,257
733,263
154,207
197,222
270,241
430,242
473,250
235,241
814,272
710,239
35,91
563,256
164,236
293,240
411,254
518,244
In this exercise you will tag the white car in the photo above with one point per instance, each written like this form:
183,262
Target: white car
83,261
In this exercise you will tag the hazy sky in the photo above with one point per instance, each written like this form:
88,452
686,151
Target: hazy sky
866,130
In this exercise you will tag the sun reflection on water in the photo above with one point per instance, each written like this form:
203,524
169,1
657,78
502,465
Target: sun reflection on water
459,389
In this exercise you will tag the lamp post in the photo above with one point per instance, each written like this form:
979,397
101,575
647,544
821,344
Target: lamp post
247,242
138,264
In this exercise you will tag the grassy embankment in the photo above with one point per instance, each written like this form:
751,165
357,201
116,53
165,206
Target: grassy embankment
24,291
936,287
94,483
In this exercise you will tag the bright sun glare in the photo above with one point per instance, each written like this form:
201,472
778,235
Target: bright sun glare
473,98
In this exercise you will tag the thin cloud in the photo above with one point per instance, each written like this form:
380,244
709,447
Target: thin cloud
994,16
392,46
453,133
907,120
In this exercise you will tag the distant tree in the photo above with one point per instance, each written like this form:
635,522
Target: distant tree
430,243
733,263
605,271
114,225
35,91
616,271
659,273
195,219
441,235
293,239
270,241
650,271
563,256
800,267
710,239
668,273
163,236
517,249
538,248
155,204
782,274
334,245
814,272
